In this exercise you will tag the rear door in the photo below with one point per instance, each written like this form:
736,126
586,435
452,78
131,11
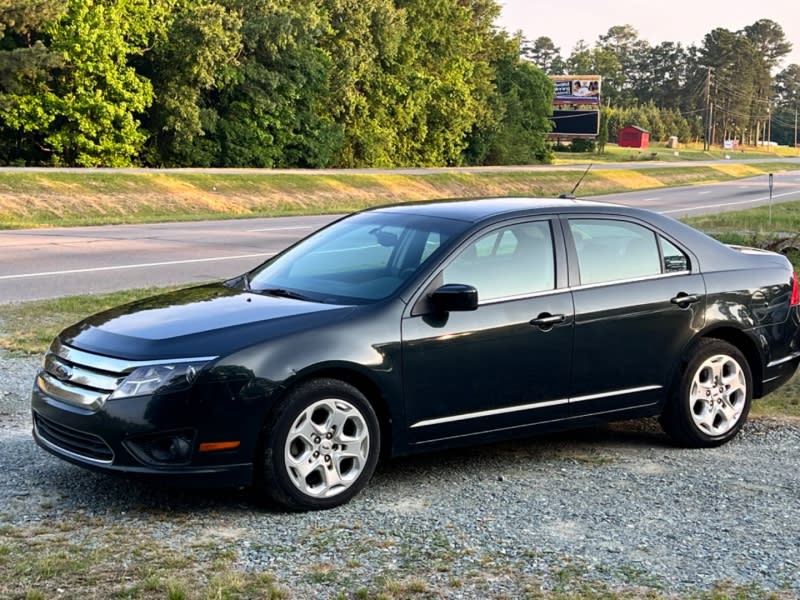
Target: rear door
639,298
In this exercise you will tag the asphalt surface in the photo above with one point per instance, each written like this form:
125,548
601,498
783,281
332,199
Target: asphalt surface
46,263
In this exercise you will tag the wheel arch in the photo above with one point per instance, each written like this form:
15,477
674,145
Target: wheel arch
364,384
747,346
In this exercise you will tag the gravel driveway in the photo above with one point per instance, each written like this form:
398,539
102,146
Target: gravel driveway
610,508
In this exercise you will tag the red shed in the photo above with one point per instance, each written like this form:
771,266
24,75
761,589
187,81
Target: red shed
633,137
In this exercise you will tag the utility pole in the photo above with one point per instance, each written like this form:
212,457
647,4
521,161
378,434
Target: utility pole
707,132
795,127
769,126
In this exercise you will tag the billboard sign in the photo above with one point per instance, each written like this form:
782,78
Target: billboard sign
577,89
576,106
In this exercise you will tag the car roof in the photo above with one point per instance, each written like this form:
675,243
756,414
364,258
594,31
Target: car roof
485,208
713,254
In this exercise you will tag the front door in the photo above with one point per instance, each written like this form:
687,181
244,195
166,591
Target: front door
505,365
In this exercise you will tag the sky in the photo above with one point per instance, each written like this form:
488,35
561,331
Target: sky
683,21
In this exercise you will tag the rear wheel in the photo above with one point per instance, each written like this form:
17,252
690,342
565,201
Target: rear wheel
712,399
320,448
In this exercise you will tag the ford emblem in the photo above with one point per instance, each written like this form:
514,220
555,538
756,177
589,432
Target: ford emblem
63,372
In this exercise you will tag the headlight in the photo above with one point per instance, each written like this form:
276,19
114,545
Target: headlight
158,378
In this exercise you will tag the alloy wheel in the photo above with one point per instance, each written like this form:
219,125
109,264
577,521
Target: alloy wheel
718,395
327,448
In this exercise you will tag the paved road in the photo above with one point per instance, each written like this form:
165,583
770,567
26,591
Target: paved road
45,263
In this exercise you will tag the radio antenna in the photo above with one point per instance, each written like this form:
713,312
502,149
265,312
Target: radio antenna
571,195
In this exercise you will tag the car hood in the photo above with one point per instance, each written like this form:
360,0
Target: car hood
210,320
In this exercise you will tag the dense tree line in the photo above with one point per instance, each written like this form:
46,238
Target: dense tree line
305,83
380,83
668,88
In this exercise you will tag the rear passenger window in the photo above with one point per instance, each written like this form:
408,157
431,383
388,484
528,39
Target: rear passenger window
611,250
675,260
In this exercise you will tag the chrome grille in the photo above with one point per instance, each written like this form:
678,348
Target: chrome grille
72,442
85,379
81,378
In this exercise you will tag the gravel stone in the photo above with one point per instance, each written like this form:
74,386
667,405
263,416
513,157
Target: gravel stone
616,505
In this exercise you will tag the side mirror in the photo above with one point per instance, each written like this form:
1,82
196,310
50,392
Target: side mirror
454,297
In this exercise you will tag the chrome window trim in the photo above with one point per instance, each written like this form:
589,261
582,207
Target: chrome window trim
59,450
521,296
531,406
588,286
577,288
115,365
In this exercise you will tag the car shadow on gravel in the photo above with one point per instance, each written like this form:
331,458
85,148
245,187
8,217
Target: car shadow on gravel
593,445
45,483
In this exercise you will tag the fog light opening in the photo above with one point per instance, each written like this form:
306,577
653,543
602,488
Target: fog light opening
170,450
163,449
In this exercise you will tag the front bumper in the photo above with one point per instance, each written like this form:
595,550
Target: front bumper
110,439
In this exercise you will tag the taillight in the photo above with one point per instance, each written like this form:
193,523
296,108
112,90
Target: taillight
795,292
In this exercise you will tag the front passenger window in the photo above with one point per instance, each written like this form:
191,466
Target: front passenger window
511,261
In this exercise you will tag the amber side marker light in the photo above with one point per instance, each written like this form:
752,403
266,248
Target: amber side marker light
217,446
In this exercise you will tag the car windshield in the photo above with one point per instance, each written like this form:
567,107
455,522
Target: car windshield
358,260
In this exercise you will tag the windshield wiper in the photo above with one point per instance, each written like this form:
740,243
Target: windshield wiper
284,293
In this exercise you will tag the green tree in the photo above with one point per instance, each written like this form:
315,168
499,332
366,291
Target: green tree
26,70
769,41
367,91
580,60
195,52
84,112
625,73
544,54
275,112
787,88
602,138
411,80
737,92
522,103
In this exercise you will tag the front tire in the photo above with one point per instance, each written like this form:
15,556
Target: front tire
712,399
320,448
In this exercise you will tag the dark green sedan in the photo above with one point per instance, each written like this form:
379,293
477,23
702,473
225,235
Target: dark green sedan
417,327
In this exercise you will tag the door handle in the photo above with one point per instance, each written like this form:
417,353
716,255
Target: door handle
546,320
683,299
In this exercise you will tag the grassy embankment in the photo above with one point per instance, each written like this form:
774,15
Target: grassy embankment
47,199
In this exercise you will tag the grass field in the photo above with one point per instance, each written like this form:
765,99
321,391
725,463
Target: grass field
64,199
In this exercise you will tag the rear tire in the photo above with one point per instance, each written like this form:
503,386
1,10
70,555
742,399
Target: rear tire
320,447
712,398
